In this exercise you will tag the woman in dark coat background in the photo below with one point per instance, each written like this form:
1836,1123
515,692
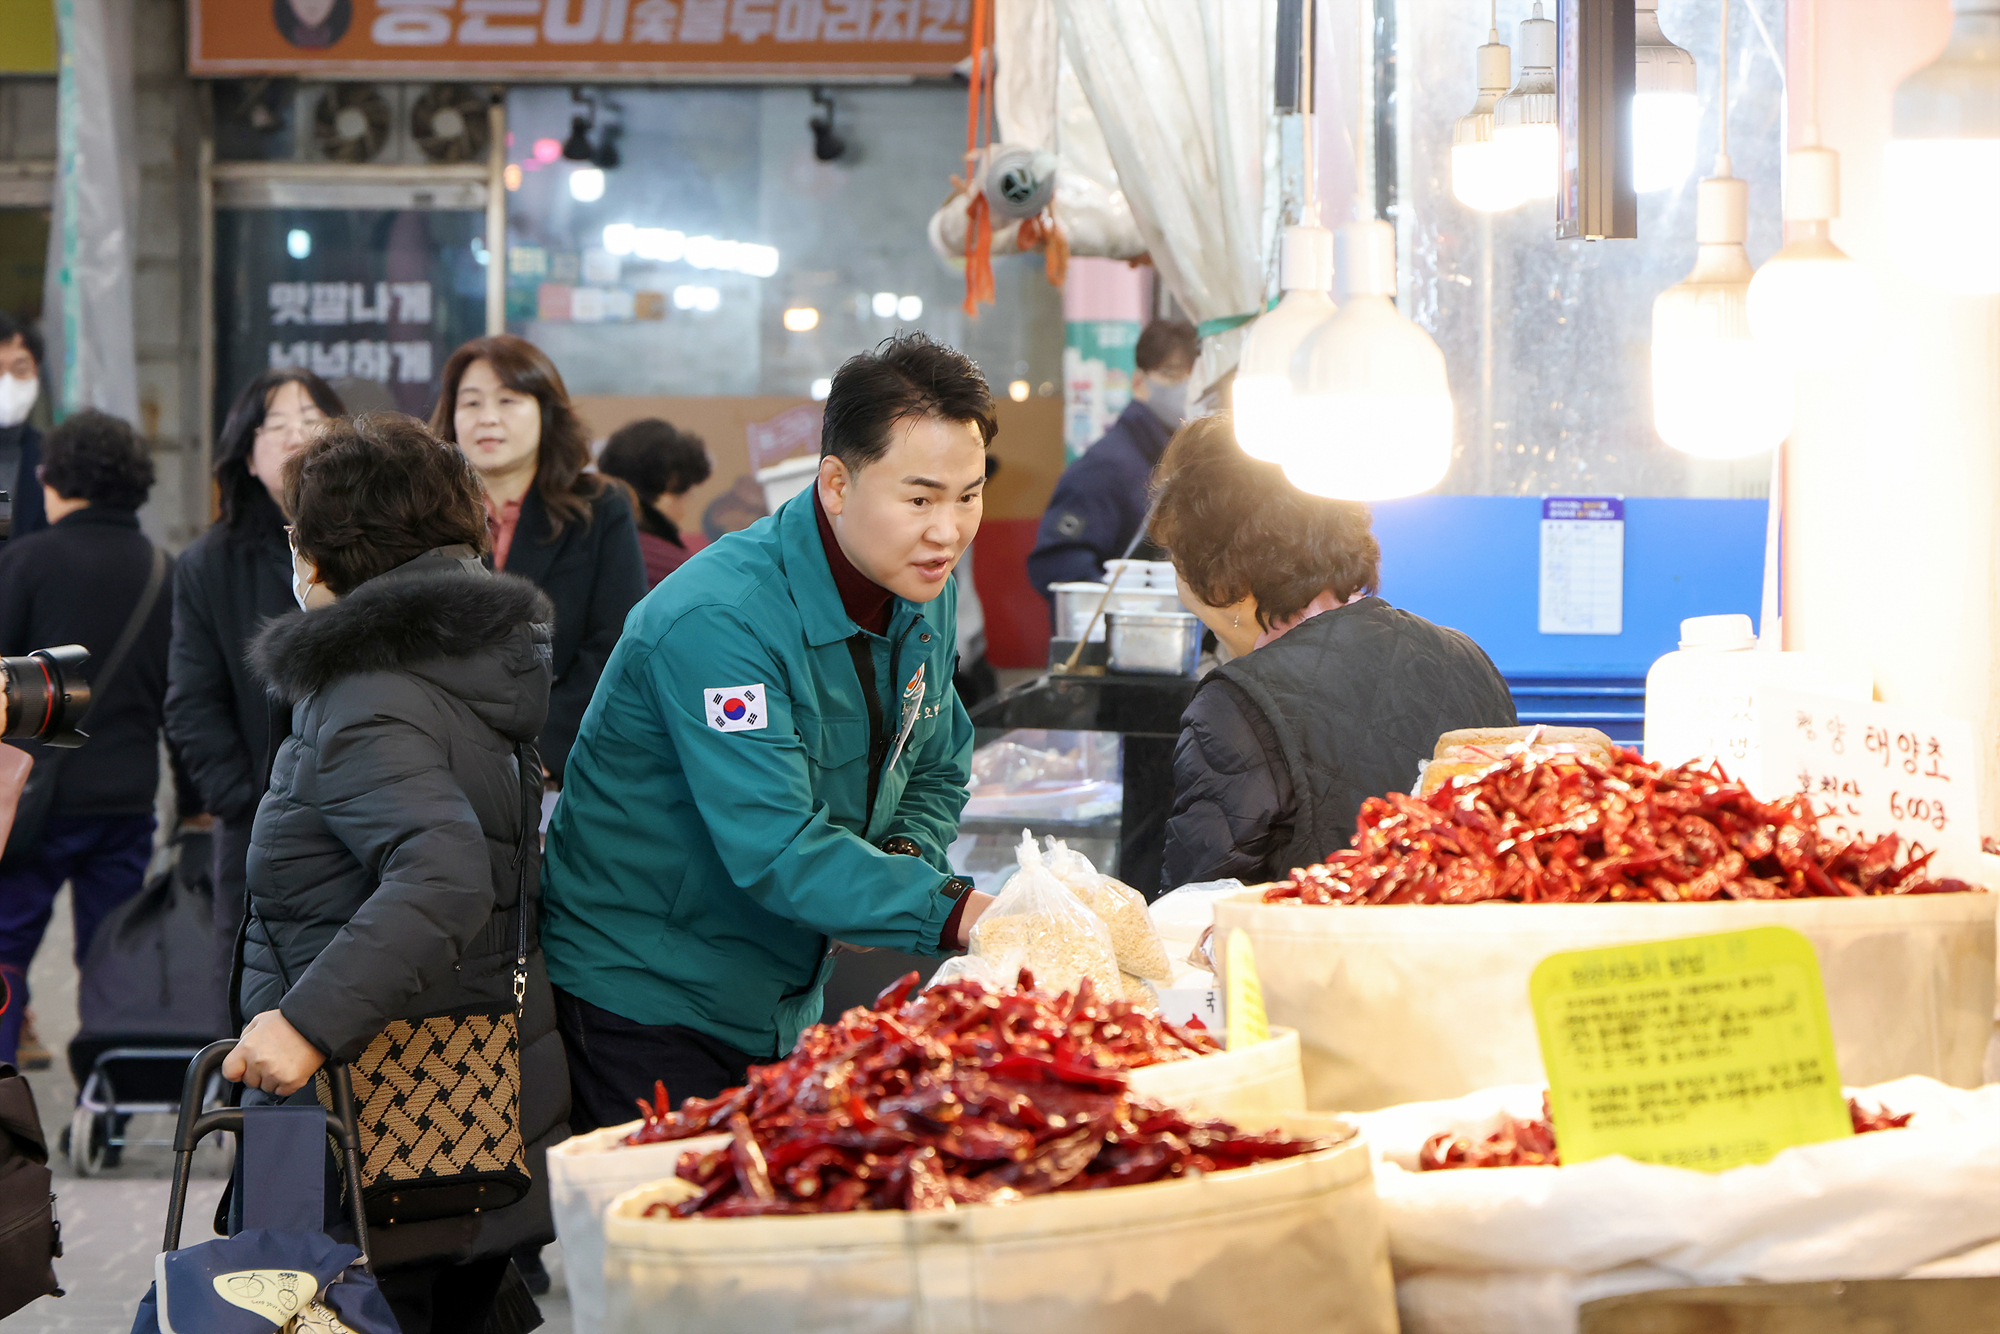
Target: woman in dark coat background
504,405
1332,695
397,843
233,578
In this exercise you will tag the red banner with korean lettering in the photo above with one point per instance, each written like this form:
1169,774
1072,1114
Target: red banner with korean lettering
570,39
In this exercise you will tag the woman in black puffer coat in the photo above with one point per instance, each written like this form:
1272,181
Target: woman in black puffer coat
397,840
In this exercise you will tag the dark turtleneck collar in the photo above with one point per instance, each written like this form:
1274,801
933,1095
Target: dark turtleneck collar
659,525
866,601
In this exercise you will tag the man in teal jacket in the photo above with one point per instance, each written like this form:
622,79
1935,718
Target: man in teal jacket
774,759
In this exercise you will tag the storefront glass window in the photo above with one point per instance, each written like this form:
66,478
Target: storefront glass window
374,300
720,256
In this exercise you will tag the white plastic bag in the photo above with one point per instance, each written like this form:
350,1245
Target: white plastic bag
1525,1245
970,967
1133,937
1038,924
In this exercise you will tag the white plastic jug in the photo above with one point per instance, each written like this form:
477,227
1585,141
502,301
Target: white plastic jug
1701,700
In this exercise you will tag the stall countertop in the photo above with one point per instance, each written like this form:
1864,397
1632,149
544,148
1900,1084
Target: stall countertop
1133,705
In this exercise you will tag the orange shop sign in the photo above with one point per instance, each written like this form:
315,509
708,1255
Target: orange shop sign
567,39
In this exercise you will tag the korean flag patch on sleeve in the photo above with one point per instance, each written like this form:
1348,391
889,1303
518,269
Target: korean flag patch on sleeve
735,708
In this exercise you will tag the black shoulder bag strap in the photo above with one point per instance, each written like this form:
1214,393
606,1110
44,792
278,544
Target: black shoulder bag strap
531,828
156,579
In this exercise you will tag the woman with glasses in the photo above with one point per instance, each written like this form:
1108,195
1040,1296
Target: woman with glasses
235,577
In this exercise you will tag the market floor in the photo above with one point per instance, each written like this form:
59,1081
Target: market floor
111,1224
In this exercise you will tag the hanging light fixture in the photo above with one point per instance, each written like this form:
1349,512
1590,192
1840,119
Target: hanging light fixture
1372,386
1717,391
1524,121
1944,159
1666,115
1480,178
1811,301
1261,401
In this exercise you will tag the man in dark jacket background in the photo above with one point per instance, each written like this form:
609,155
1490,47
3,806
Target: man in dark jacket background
1100,501
79,582
20,443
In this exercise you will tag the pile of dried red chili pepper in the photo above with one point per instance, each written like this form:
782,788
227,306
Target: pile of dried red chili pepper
958,1095
1574,830
1518,1143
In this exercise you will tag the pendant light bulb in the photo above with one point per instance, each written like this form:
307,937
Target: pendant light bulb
1811,302
1718,393
1371,386
1480,178
1524,121
1944,159
1261,400
1666,114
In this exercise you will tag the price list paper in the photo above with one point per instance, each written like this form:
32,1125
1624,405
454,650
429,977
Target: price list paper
1871,769
1583,565
1706,1052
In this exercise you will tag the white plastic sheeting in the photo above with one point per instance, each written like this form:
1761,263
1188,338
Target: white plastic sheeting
1038,103
1182,91
88,300
1516,1250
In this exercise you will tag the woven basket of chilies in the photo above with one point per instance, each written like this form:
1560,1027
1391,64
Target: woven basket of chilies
968,1160
1403,960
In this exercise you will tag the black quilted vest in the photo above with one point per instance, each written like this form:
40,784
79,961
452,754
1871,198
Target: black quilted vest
1358,697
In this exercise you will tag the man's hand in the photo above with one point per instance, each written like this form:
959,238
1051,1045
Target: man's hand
272,1057
975,904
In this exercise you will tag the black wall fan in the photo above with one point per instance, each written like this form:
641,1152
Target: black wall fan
449,122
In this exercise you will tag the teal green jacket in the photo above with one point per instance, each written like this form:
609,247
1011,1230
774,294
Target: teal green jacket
717,830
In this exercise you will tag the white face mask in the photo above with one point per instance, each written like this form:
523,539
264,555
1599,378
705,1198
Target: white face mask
305,591
1168,400
17,399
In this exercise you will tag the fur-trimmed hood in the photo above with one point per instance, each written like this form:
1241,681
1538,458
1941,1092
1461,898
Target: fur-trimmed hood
481,636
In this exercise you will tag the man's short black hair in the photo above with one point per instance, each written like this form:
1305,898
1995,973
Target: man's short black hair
905,377
97,457
1165,342
30,336
655,458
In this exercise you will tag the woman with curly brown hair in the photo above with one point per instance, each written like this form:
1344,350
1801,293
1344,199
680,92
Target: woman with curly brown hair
1333,695
554,524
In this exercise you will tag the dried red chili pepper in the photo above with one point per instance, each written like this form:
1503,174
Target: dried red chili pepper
957,1095
1518,1143
1571,829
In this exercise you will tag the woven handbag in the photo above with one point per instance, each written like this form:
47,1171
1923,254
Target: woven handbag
438,1099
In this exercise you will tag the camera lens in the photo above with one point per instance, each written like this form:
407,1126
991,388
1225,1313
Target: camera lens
46,696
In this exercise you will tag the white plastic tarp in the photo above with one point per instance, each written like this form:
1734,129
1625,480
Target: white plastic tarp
1516,1250
1182,91
88,294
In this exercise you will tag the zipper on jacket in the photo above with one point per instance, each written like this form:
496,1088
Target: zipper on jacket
878,739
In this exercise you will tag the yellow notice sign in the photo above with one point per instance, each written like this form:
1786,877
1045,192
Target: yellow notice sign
1706,1052
1244,1005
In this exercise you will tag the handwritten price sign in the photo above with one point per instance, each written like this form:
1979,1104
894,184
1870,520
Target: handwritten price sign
1706,1052
1873,769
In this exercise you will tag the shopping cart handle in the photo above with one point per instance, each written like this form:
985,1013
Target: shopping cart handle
196,1125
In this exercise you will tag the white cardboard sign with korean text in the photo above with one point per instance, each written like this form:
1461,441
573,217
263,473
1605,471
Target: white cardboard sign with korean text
1876,769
